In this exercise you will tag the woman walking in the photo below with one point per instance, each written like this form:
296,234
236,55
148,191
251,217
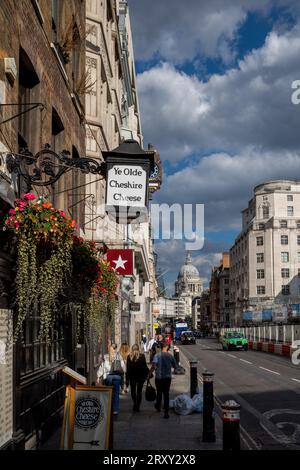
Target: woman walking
125,351
137,372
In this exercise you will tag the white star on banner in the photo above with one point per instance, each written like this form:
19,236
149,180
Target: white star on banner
120,263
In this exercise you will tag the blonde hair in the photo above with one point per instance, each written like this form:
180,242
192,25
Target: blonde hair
112,351
135,352
124,351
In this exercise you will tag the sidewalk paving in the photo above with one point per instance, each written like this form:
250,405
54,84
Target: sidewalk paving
148,430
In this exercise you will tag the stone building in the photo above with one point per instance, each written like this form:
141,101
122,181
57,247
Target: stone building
265,258
188,284
219,293
42,65
112,116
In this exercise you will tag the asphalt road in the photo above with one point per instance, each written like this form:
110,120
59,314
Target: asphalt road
265,385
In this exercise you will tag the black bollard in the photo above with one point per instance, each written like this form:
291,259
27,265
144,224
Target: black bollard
208,434
176,356
193,377
231,425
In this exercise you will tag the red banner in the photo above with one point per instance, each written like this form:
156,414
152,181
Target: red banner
121,261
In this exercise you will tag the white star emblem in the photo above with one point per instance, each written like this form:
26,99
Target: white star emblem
120,263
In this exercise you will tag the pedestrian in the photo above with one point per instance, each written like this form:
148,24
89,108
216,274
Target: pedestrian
108,377
118,365
162,365
125,351
144,342
137,372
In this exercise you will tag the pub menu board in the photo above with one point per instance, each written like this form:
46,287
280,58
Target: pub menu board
87,418
6,377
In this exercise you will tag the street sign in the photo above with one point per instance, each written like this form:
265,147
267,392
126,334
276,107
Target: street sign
87,418
121,261
135,307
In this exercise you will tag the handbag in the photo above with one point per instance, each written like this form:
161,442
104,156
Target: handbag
150,393
116,366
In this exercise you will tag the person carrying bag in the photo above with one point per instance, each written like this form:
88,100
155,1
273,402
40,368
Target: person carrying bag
150,393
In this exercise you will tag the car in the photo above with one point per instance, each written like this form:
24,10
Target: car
233,340
187,337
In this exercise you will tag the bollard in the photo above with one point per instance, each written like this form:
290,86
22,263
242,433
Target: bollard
193,377
176,355
231,425
208,434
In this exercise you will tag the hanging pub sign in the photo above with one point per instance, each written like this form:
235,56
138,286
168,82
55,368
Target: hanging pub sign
127,181
87,423
121,261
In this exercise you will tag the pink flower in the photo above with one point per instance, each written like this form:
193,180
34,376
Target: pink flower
29,196
62,213
12,212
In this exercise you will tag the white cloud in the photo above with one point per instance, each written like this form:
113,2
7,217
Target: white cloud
247,106
181,30
224,183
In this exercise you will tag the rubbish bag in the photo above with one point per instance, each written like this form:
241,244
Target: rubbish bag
198,403
183,405
179,370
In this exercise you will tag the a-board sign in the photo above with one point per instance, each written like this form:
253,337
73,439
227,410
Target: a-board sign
74,375
87,423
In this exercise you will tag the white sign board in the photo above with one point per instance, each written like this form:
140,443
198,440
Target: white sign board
6,378
90,416
126,186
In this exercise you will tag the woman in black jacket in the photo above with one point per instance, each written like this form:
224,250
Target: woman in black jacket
137,372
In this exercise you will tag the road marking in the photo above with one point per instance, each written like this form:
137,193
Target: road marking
231,355
244,360
296,380
269,370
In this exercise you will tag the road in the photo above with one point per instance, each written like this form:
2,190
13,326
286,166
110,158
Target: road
265,385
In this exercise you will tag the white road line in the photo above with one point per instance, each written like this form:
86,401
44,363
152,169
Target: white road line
273,371
244,360
296,380
231,355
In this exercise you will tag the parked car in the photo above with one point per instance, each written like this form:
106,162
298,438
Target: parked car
233,340
187,337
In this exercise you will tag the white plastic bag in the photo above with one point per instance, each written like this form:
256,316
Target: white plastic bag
183,405
198,403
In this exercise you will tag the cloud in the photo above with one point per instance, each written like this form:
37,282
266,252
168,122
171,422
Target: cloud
224,183
179,31
247,106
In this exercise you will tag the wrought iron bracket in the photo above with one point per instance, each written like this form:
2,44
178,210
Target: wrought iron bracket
46,167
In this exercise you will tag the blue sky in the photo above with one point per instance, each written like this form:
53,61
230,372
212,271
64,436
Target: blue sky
214,87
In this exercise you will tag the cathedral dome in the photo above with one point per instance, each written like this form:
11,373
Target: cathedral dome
188,270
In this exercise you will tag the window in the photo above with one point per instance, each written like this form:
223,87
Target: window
283,224
260,274
298,223
55,19
261,290
226,292
28,125
259,257
226,281
265,212
290,210
261,226
290,197
284,239
285,257
285,290
298,256
298,239
259,241
285,272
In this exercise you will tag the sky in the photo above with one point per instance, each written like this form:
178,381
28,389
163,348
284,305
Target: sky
214,86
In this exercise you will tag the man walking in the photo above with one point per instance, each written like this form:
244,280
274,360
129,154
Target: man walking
162,364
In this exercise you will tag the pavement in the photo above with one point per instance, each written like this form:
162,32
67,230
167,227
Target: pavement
148,430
